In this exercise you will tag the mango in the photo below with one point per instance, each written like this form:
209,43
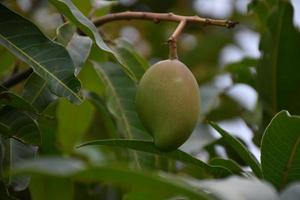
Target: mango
168,103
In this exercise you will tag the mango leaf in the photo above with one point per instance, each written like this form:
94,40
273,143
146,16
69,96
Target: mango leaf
278,70
48,188
131,57
78,46
48,59
120,94
71,125
62,167
36,89
19,125
280,150
13,100
163,185
229,164
147,146
243,71
37,92
86,26
240,149
52,166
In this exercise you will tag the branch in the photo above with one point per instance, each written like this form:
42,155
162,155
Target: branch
17,78
157,17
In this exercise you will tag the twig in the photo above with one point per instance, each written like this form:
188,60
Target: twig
17,78
157,17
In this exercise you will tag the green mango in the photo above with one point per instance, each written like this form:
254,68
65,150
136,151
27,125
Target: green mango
168,103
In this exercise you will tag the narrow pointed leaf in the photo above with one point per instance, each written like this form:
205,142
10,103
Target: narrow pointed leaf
75,169
48,59
120,93
86,26
240,149
280,150
147,146
278,71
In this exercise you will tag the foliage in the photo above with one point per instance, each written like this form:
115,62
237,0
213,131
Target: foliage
69,129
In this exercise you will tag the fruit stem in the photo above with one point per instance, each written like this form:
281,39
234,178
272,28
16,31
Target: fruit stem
172,41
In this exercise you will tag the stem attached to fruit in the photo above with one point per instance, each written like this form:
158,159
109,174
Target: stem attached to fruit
157,17
172,41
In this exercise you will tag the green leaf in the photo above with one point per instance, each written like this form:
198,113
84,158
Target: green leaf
36,89
51,166
120,94
163,185
229,164
131,57
278,70
37,92
243,71
147,146
19,125
280,150
78,46
240,149
73,122
50,188
86,26
62,167
11,99
48,59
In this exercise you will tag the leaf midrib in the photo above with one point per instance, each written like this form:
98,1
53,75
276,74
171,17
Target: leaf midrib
40,66
289,163
123,117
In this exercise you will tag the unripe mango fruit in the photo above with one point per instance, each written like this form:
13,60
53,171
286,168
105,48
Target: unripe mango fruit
168,103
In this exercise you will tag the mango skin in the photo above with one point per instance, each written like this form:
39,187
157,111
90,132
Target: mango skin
168,103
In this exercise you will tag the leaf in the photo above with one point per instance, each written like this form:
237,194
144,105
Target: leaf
51,166
37,92
278,70
86,26
36,89
48,59
120,91
243,71
20,152
78,46
73,122
147,146
75,169
240,149
229,164
19,125
166,186
280,150
13,100
131,57
237,188
50,188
